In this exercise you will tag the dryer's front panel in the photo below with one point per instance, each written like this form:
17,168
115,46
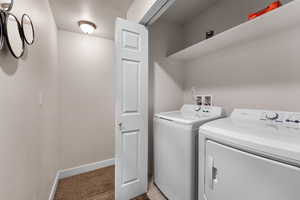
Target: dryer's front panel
231,174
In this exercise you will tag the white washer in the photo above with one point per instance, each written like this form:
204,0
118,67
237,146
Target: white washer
253,154
175,149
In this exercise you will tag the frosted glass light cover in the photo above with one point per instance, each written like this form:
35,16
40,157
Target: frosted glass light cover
6,5
87,27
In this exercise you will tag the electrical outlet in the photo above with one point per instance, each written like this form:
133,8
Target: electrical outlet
199,100
207,100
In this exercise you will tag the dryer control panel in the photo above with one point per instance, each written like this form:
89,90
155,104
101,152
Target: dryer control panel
287,119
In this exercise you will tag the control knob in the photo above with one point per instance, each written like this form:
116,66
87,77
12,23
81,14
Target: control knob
272,116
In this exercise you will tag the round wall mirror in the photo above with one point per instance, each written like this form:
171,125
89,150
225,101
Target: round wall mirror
6,5
27,29
13,35
1,32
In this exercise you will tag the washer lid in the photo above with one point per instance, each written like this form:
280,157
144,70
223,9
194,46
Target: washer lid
193,114
263,137
184,117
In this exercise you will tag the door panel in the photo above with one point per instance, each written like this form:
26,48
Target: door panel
130,154
131,40
131,82
232,174
131,109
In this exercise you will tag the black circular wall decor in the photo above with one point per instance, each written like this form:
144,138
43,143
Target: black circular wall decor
27,29
13,35
16,34
6,5
1,31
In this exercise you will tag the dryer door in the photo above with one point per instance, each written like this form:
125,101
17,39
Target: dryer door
231,174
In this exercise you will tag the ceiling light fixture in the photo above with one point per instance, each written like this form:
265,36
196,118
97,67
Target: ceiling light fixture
87,27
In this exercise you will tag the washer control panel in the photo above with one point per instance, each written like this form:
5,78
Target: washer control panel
207,110
211,111
287,119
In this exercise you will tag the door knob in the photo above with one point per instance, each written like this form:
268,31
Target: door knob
120,125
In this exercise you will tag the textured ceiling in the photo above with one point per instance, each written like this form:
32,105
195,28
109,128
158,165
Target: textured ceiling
184,10
102,12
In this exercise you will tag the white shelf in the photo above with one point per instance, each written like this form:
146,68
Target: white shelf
285,17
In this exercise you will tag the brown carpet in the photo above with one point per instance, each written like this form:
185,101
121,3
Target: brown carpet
95,185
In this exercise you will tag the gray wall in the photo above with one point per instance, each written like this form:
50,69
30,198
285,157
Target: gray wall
263,73
166,76
29,140
259,74
222,15
166,80
86,98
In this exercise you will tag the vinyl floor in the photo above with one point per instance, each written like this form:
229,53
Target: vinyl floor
96,185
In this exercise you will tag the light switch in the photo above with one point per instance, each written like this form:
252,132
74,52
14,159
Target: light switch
41,99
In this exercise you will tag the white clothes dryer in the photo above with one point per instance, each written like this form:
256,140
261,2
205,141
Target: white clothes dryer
253,154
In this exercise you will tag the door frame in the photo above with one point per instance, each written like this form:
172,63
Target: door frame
156,10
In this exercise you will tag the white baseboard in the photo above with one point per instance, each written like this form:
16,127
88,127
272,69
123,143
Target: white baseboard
85,168
78,170
54,186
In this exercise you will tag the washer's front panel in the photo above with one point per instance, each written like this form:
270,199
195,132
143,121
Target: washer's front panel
231,174
174,159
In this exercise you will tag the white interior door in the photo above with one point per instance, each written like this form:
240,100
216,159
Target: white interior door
131,109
